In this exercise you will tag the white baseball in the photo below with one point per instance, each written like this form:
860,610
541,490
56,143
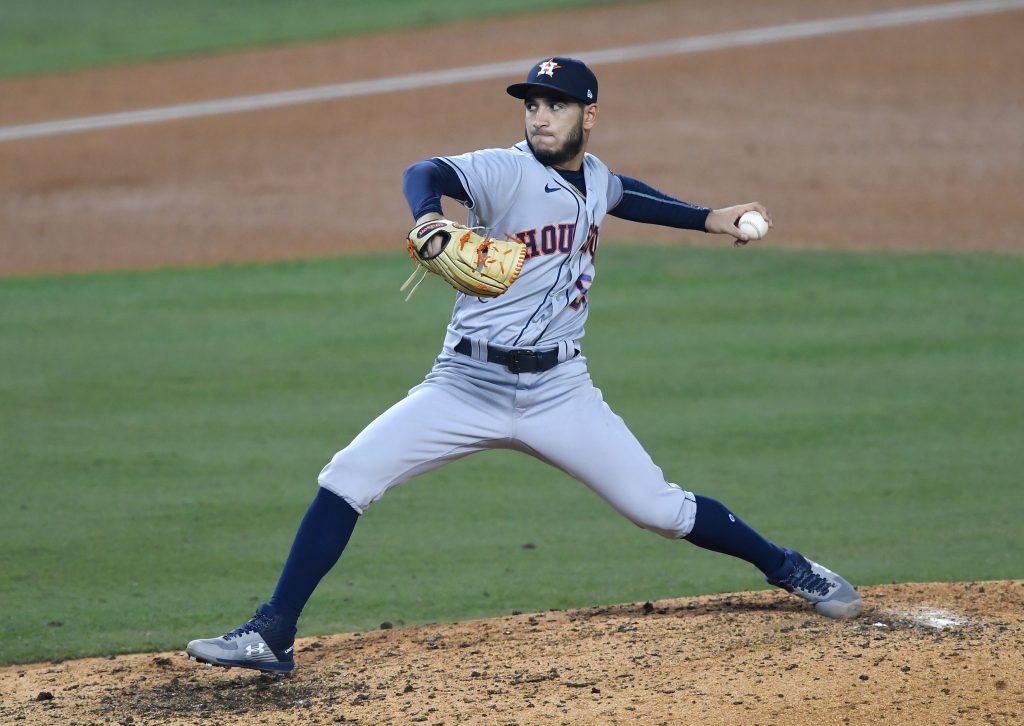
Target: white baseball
753,225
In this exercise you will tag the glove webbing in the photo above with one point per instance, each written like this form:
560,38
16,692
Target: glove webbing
481,258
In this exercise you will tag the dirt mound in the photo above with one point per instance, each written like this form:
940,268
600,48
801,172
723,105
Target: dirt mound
928,653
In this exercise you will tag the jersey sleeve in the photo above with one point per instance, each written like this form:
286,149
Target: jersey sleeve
614,191
490,178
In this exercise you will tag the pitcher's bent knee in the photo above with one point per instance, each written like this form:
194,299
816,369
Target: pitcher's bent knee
358,484
671,517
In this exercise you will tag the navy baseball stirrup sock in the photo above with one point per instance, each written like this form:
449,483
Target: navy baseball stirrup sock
318,544
718,529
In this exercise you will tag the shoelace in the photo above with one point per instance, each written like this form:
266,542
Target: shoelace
256,623
804,578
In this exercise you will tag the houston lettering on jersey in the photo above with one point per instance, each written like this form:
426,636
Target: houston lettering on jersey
557,239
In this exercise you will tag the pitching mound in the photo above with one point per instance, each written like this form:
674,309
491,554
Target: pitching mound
930,653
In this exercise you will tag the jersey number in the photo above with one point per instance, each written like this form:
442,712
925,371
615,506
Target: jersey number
583,285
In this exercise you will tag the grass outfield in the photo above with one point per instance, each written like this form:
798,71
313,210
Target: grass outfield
39,36
162,432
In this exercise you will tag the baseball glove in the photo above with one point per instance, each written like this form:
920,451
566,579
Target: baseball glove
476,265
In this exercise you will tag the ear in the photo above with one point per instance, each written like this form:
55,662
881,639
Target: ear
589,116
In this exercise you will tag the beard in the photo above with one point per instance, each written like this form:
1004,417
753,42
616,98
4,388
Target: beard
568,151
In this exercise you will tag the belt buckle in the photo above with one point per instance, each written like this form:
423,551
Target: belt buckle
521,360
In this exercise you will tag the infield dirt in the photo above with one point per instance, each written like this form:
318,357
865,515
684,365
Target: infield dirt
904,138
920,654
898,138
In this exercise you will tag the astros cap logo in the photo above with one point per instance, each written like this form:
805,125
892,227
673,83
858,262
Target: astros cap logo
548,68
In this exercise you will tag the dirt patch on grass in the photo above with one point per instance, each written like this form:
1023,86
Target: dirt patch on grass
897,138
920,654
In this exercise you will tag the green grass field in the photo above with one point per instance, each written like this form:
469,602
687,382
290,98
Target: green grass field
38,36
162,432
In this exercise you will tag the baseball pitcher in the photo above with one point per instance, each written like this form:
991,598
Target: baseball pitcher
511,373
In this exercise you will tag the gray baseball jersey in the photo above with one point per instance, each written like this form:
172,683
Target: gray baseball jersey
513,194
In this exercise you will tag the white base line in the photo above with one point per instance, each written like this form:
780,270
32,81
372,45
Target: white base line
432,79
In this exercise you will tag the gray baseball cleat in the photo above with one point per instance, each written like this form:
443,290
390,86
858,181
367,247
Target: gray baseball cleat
831,595
265,643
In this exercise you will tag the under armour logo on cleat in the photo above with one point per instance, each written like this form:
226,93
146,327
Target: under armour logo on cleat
551,190
257,649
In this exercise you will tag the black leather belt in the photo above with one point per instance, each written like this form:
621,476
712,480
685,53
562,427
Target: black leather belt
517,360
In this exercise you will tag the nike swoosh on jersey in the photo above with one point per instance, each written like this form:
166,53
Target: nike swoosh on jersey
551,190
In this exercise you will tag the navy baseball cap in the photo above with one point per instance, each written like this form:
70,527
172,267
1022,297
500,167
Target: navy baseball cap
565,75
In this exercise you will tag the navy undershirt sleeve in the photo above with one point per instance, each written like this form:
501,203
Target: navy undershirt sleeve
425,182
641,203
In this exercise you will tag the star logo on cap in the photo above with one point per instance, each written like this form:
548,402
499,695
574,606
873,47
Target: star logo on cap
548,68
